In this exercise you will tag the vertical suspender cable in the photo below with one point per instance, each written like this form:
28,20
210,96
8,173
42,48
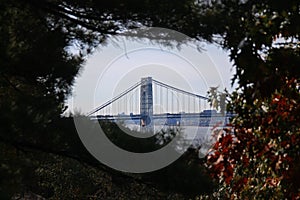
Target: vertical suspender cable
161,98
194,98
167,99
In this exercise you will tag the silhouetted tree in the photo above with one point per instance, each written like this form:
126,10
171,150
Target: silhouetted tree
259,156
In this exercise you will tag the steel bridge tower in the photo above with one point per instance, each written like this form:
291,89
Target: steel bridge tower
146,105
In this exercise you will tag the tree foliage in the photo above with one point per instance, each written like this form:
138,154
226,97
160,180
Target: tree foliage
186,176
36,75
259,156
218,99
43,46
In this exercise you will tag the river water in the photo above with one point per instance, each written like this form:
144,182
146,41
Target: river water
195,134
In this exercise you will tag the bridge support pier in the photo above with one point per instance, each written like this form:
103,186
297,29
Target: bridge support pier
146,105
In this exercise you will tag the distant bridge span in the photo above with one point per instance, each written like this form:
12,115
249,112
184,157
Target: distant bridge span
150,102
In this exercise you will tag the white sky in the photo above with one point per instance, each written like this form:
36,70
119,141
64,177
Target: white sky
122,63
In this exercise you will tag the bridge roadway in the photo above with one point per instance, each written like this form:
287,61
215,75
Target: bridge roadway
205,118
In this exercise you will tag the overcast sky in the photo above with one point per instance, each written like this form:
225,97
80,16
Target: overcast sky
113,68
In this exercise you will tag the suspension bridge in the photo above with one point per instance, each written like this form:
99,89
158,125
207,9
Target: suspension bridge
150,103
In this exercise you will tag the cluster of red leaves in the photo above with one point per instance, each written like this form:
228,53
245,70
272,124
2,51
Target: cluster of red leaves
221,160
272,137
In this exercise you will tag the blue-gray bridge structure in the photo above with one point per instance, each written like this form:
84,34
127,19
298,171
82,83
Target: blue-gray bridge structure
150,102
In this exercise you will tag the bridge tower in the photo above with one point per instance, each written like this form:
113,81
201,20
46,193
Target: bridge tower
146,105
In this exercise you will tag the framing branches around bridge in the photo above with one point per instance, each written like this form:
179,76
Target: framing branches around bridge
38,71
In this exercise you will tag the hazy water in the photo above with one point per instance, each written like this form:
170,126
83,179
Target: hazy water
195,133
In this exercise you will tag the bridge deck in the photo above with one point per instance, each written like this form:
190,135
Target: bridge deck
187,119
